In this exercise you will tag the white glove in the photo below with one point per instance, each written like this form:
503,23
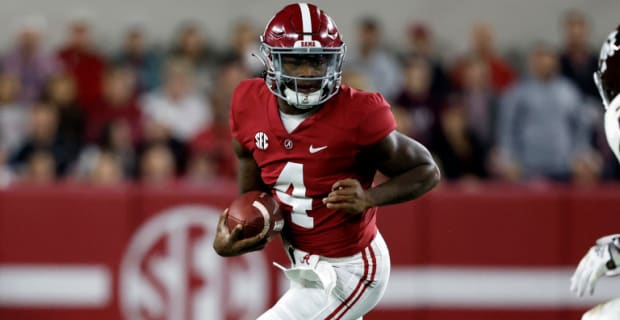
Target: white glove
601,259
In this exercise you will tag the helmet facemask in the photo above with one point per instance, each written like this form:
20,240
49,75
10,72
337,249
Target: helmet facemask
294,89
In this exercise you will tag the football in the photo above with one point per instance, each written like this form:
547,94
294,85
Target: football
258,213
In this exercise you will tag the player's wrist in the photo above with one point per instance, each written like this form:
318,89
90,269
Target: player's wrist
369,199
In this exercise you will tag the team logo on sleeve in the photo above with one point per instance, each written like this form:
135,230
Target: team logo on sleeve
262,141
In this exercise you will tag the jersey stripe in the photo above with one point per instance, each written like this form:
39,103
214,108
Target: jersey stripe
354,292
306,21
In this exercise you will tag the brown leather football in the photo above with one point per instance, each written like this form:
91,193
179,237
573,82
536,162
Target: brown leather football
258,212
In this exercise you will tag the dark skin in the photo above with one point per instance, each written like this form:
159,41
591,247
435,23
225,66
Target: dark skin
408,164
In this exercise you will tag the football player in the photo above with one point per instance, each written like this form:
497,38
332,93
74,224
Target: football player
604,257
316,145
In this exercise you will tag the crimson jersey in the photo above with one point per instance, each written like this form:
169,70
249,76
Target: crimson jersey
302,166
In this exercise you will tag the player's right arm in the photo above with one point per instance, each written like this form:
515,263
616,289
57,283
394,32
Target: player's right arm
228,243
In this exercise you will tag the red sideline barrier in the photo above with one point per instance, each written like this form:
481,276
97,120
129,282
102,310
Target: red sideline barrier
69,252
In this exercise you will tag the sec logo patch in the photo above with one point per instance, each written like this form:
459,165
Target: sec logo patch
261,140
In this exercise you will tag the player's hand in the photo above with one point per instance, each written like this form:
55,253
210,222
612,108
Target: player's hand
600,259
229,243
348,195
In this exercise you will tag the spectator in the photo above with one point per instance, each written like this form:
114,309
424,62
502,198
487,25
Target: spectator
157,134
6,174
28,61
43,137
114,141
40,167
355,79
83,62
178,106
229,75
118,103
157,165
374,62
145,62
191,45
403,120
244,42
460,153
212,144
480,101
541,133
416,98
420,43
202,169
483,47
107,170
578,61
61,93
13,115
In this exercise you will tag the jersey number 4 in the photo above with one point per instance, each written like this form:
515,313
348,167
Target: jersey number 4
293,175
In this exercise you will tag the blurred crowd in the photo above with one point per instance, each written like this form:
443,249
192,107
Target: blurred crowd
156,113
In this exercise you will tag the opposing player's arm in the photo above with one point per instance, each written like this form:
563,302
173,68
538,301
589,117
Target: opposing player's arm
229,242
409,166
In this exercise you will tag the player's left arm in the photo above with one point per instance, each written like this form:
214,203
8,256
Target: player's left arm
409,166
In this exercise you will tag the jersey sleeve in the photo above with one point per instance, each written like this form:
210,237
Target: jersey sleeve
235,118
234,129
377,121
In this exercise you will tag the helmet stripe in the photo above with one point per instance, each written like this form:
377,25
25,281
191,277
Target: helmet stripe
306,21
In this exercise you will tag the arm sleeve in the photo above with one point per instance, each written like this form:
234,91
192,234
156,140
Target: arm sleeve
232,116
377,121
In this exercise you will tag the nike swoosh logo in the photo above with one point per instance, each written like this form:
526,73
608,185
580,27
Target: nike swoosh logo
315,150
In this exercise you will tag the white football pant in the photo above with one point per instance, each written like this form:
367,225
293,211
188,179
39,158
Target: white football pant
333,288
